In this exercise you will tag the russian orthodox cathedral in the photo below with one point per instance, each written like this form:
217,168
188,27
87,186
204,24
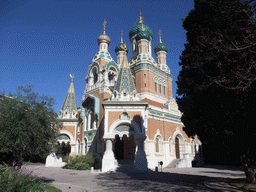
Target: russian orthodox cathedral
128,114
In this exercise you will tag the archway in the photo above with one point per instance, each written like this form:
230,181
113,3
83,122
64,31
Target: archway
177,147
124,147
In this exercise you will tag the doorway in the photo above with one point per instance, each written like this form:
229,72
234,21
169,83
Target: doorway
124,148
119,148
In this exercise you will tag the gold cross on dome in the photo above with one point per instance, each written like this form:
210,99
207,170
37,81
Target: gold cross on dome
159,32
72,77
104,26
140,11
141,18
122,35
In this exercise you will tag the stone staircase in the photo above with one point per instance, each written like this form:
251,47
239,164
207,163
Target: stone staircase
174,163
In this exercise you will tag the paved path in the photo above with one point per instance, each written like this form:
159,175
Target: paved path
186,179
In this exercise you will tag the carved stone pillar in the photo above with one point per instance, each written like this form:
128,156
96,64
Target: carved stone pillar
141,163
108,160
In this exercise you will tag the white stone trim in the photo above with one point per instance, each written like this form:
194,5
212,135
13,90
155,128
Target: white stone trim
118,122
67,133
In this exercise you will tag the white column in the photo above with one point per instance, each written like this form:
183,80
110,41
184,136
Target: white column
140,157
89,122
108,160
100,76
94,124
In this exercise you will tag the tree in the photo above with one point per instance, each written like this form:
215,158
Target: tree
216,85
28,125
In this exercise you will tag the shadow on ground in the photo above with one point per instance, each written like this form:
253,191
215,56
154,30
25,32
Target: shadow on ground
153,181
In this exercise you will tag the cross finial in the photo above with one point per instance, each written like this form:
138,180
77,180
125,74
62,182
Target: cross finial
104,26
72,77
122,35
140,11
159,32
141,18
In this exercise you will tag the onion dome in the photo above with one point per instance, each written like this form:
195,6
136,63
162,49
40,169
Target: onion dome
121,47
137,28
104,38
161,47
142,35
141,27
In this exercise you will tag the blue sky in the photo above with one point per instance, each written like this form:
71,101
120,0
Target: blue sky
43,41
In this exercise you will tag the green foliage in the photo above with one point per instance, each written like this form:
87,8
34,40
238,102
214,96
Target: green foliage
27,125
50,188
80,162
14,179
216,85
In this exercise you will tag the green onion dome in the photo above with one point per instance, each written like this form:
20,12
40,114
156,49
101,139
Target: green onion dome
161,47
142,35
120,47
137,28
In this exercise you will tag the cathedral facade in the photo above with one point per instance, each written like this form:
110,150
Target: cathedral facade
128,114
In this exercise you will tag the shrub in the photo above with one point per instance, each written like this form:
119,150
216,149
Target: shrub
80,162
14,179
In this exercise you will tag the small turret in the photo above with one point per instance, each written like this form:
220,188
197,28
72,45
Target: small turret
161,51
121,50
103,40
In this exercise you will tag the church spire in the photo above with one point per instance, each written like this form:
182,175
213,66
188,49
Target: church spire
125,81
69,106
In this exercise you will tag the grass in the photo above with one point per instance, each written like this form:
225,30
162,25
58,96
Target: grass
14,179
242,184
50,188
30,163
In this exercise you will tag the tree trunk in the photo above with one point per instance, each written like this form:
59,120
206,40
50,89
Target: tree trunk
249,166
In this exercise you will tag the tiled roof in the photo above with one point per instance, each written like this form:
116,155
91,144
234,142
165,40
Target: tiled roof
125,80
69,103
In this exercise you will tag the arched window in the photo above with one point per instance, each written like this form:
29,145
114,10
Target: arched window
95,75
92,119
159,143
78,128
193,146
111,73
